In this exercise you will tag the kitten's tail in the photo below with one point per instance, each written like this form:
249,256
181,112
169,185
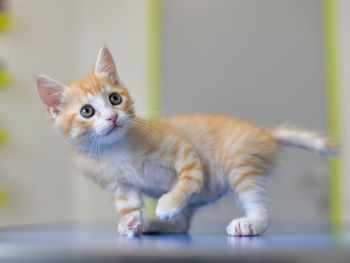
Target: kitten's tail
306,139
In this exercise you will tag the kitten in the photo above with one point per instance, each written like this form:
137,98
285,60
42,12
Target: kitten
186,161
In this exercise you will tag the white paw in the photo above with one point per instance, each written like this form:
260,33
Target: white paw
247,227
131,226
167,208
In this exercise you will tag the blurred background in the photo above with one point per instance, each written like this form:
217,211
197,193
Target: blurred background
267,61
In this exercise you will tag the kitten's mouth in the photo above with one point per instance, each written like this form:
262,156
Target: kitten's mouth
115,127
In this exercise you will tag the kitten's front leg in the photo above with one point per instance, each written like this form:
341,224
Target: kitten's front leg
190,182
128,201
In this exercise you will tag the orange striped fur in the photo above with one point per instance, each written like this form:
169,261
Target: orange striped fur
186,161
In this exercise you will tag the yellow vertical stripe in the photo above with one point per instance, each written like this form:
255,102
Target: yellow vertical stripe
4,137
6,21
5,78
4,196
153,68
332,89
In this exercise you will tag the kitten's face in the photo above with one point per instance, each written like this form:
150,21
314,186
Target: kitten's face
93,112
95,109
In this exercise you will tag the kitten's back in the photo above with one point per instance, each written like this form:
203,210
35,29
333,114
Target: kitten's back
221,140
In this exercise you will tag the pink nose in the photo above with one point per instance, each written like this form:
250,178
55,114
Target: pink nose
112,118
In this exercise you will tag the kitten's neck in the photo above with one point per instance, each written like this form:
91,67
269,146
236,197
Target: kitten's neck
138,139
142,134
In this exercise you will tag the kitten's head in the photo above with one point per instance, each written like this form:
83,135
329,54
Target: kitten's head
95,110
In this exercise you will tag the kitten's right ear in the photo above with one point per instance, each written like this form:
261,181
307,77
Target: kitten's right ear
50,93
105,65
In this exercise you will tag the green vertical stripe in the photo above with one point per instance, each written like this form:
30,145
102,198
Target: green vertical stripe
4,137
5,78
153,69
6,21
332,85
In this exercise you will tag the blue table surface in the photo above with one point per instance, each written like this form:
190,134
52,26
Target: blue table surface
96,240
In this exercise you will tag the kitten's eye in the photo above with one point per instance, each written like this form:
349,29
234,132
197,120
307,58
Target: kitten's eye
115,99
87,111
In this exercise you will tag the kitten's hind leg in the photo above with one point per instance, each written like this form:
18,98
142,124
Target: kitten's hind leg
177,225
248,185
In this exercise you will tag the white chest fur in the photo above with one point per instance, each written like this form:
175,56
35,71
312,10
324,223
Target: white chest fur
155,178
124,167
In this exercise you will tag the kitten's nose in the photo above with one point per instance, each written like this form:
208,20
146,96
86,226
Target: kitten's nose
112,118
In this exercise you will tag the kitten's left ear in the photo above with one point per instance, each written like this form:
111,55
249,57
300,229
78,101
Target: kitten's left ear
106,65
50,93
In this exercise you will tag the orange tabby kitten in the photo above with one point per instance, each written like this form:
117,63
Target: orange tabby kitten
186,161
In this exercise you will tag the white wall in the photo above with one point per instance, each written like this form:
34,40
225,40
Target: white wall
343,22
35,165
60,39
258,60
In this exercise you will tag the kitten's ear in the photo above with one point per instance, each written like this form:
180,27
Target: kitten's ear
50,93
105,65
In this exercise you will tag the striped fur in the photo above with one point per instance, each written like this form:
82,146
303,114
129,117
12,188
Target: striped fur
185,161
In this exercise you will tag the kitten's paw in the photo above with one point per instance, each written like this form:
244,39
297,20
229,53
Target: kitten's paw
130,226
169,206
247,226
